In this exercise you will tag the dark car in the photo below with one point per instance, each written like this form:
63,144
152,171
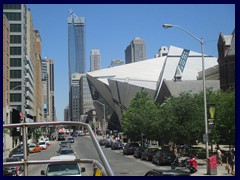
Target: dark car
71,139
163,157
11,170
138,151
129,148
66,151
102,142
175,172
17,150
65,144
148,153
117,145
108,143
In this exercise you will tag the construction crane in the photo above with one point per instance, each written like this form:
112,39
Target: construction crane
72,13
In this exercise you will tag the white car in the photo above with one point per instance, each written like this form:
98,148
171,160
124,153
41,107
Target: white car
63,169
43,145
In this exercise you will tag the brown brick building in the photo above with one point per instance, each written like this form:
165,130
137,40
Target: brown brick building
226,60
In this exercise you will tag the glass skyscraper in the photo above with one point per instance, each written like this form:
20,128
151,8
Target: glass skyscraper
76,45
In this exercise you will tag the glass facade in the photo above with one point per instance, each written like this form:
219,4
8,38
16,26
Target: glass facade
76,45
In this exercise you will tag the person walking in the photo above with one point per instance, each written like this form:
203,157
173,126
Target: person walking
219,156
231,160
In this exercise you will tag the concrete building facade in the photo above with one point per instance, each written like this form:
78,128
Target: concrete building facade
95,60
136,51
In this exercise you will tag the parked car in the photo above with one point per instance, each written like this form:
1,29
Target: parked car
163,157
66,151
148,153
102,142
129,148
11,170
138,151
108,143
71,139
43,144
63,169
17,150
116,145
19,156
175,172
34,148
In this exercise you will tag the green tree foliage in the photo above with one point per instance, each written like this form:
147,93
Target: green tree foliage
137,119
180,119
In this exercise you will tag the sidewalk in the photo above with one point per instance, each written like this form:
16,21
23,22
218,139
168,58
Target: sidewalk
202,169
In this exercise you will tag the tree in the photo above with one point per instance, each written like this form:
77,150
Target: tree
139,116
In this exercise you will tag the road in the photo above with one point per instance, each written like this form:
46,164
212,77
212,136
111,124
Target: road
121,165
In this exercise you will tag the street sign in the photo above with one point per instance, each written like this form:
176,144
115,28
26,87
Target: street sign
211,113
205,138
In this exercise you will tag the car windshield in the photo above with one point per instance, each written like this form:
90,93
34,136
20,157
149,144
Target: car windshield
42,143
63,169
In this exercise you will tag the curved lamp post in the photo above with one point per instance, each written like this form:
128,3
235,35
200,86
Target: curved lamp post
204,84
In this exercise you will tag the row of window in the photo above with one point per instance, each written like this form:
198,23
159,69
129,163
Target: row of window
15,28
16,39
13,16
15,50
12,6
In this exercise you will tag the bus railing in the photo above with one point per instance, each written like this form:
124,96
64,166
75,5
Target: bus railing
105,168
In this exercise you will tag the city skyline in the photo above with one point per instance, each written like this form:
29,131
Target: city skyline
112,27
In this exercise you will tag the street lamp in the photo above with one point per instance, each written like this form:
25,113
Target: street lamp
104,130
204,84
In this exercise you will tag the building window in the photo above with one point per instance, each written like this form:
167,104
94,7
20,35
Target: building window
15,50
13,16
15,74
15,28
12,6
17,97
13,85
15,39
15,62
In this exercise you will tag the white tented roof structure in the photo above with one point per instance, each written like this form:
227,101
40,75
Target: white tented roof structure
116,86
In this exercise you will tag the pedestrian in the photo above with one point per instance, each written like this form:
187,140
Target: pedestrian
231,160
219,156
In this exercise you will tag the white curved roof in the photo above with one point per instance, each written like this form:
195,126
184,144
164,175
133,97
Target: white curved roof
147,73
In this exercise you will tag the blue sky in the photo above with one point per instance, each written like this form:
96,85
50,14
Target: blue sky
112,27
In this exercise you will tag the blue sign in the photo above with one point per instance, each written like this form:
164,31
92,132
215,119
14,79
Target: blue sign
183,59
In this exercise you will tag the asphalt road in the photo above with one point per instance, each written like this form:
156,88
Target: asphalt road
122,165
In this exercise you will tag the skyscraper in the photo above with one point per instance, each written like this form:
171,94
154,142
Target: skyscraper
76,45
95,59
136,51
48,89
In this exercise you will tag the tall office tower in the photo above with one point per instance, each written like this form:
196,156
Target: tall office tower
66,113
74,98
21,62
136,51
76,45
86,103
48,89
95,59
116,62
